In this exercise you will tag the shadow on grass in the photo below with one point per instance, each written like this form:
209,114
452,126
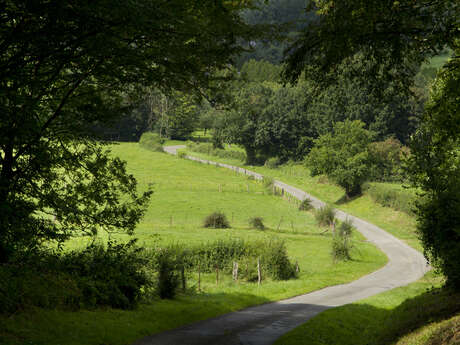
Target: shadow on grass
344,199
360,324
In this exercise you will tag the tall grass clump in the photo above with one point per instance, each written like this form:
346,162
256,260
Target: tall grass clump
151,141
392,195
325,215
341,244
305,205
216,220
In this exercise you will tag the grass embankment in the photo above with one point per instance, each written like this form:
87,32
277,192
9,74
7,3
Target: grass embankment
398,223
417,314
185,192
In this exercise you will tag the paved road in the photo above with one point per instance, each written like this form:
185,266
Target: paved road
262,325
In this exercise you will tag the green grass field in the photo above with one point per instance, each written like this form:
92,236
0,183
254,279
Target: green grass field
184,193
397,223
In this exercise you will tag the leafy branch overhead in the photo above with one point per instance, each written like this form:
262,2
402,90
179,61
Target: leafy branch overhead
65,66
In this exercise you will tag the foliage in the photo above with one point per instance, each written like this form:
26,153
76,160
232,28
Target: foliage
305,205
386,159
257,223
268,121
151,141
325,216
341,244
168,279
112,275
435,169
399,33
276,262
388,111
59,77
181,154
393,196
343,156
209,149
260,71
217,220
272,163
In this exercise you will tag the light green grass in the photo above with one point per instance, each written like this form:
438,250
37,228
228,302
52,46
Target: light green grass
396,222
184,193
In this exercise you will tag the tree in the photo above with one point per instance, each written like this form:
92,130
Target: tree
396,33
67,65
435,169
343,155
244,125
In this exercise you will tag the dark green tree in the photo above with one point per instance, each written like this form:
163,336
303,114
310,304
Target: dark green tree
435,169
67,65
343,156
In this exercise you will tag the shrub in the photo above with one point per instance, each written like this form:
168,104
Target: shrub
168,279
276,262
341,244
151,141
109,275
268,182
305,205
272,163
216,220
345,228
181,154
340,248
112,275
257,223
325,215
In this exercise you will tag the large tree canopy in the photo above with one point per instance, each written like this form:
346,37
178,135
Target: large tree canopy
65,65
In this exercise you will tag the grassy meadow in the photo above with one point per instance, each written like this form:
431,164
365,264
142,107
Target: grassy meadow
184,193
398,223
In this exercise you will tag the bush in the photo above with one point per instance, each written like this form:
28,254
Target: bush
168,279
340,248
257,223
276,262
208,149
341,244
112,275
216,220
272,163
325,215
305,205
181,154
345,228
151,141
109,275
386,157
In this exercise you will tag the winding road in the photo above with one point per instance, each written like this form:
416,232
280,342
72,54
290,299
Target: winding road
263,324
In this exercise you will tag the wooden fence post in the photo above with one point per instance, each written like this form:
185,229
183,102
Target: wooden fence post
259,275
199,276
